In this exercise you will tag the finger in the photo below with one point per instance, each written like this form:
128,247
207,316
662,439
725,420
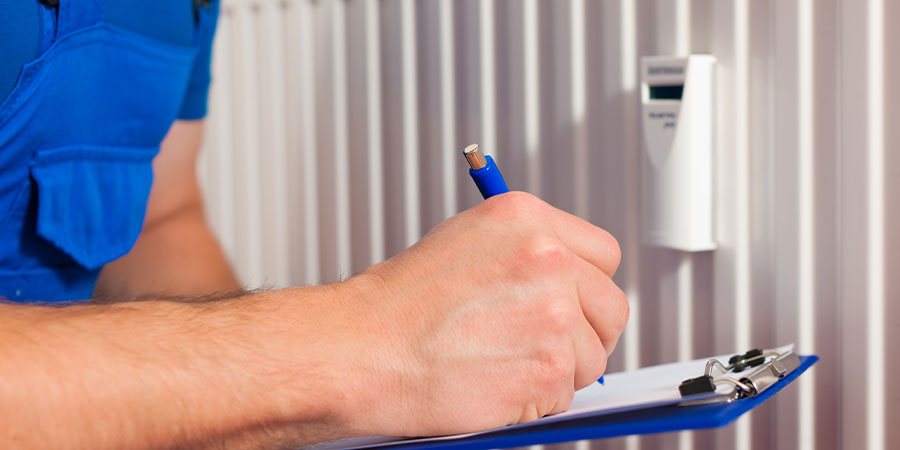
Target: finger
590,355
604,305
592,243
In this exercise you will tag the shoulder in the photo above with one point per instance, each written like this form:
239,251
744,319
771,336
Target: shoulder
19,39
166,20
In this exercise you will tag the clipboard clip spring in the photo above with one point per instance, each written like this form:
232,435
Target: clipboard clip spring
766,374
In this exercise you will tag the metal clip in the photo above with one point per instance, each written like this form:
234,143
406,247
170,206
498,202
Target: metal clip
769,373
766,374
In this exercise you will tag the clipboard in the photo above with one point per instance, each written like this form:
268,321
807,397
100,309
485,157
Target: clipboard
747,381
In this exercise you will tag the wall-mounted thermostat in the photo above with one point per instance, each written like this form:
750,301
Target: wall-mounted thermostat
678,113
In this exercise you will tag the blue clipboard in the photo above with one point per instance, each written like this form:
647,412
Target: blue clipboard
646,421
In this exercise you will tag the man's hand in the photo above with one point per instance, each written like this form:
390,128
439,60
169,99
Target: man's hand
496,317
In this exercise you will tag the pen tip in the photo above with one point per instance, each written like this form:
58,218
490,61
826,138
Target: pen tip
474,156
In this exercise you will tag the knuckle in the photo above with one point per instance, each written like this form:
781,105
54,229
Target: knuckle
555,367
558,317
545,252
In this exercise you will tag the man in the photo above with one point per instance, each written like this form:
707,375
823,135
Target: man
495,317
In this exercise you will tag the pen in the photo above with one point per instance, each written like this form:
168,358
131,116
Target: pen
484,172
487,177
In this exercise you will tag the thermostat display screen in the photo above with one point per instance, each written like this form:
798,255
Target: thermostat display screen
666,92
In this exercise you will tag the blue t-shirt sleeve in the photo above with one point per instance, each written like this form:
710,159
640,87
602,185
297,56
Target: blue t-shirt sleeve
194,105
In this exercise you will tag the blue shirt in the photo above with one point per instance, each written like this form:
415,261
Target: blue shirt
88,90
167,20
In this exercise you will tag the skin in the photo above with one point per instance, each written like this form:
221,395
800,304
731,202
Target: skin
175,237
506,308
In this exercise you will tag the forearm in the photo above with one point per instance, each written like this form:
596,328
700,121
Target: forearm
160,374
509,331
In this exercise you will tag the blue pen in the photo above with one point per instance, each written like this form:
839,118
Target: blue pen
487,177
485,172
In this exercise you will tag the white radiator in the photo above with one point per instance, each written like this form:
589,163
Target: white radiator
336,126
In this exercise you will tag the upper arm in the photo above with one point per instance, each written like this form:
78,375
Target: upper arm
175,187
176,252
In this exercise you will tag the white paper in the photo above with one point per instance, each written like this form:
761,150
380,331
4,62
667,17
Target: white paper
622,391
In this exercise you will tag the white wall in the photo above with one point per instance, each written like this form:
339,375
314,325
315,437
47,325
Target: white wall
336,126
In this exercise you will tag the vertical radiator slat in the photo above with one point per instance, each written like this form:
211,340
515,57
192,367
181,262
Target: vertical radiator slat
685,265
341,132
761,170
358,161
807,230
223,194
250,261
628,64
855,137
823,308
295,97
683,27
274,139
488,80
742,287
531,33
685,295
579,108
410,123
392,119
310,138
889,414
875,298
787,207
429,109
449,150
325,121
375,138
685,273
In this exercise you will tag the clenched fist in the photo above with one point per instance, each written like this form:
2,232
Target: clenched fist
497,316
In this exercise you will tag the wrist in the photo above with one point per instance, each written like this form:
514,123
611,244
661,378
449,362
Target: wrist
289,345
325,362
375,362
